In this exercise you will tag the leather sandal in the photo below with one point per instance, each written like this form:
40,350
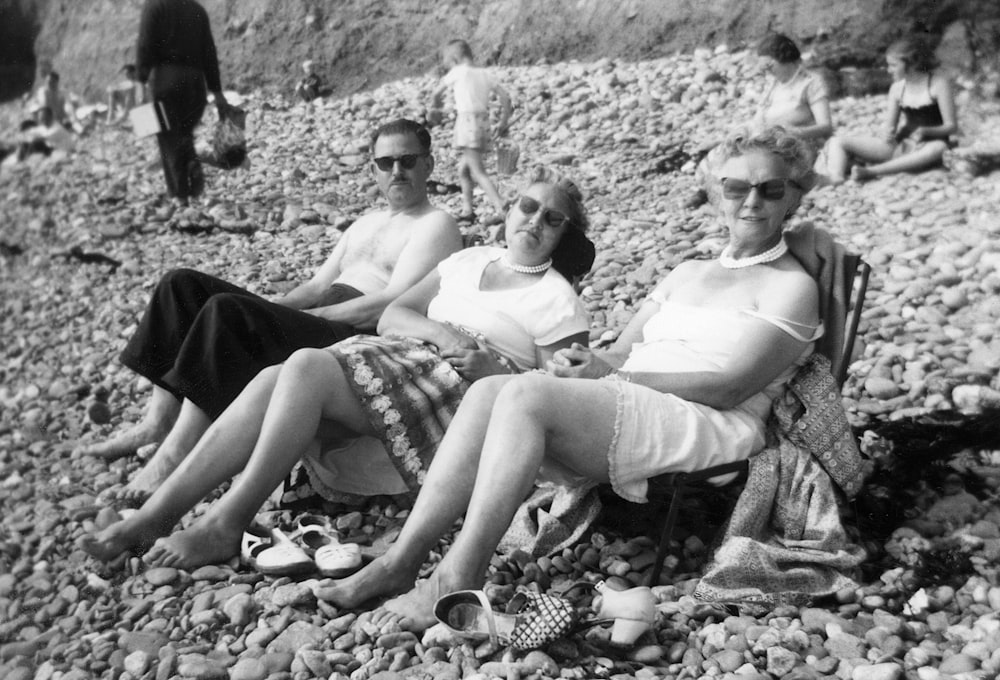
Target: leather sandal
271,552
631,611
333,558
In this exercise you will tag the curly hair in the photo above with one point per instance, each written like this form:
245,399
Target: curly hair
797,155
574,255
779,47
916,52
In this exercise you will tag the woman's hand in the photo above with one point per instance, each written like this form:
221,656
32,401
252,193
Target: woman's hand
473,364
578,361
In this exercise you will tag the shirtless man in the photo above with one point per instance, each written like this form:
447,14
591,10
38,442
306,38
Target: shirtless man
202,339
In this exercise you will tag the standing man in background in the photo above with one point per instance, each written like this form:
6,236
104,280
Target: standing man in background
175,56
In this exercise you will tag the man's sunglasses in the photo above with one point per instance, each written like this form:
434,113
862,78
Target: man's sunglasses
407,161
552,218
770,190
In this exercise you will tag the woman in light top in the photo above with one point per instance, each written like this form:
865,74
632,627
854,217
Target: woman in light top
920,122
796,99
483,311
688,384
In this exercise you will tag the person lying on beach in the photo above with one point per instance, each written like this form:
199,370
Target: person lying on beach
483,311
201,339
920,122
688,384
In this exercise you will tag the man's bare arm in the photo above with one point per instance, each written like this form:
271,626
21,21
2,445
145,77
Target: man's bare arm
310,294
435,237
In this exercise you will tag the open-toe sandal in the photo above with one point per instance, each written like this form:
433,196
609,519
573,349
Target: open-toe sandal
333,558
271,552
532,619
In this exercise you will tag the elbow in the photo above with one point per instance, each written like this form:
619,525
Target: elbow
387,320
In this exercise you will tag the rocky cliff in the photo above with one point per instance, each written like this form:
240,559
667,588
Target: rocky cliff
358,43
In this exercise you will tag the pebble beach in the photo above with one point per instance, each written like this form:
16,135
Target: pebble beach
85,236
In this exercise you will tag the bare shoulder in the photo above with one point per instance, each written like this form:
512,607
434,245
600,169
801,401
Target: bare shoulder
940,82
790,291
437,219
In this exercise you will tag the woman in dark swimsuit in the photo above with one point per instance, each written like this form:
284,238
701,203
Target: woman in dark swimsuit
920,124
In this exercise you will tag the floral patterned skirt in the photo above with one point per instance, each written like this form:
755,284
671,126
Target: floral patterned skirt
410,395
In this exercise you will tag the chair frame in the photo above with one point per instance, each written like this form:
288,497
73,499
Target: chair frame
677,484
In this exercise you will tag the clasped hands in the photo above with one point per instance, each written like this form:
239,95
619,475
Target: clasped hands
469,355
578,361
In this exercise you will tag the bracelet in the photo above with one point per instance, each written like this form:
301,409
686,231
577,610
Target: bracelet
619,374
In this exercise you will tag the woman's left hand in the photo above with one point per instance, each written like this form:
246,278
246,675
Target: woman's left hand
918,135
473,364
578,361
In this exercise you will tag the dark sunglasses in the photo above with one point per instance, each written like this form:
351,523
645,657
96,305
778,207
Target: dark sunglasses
407,161
770,190
552,218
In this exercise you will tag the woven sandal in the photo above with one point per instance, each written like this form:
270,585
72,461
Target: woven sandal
532,619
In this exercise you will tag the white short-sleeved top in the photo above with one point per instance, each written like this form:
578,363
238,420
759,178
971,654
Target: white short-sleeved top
472,86
790,103
514,322
688,338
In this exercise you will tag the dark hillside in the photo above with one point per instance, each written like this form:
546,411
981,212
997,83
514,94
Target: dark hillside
361,43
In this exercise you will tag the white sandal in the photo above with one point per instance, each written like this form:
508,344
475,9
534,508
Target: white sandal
333,558
274,554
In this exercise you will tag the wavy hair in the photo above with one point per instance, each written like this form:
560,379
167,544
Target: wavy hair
779,47
797,155
403,126
574,255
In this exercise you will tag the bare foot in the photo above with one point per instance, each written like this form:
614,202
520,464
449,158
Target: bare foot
127,535
859,173
198,545
415,609
125,444
154,472
376,580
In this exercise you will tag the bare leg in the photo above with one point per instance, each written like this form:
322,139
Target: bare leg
506,421
443,498
925,157
311,386
221,453
474,162
843,149
155,424
465,181
184,435
571,421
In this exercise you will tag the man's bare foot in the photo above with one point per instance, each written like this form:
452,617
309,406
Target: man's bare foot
129,534
154,473
377,579
125,444
202,543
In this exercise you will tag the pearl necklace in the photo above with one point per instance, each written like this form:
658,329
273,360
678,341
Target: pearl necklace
770,255
524,268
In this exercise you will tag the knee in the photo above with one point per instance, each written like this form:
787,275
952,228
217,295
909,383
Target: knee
180,278
306,365
528,394
228,306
